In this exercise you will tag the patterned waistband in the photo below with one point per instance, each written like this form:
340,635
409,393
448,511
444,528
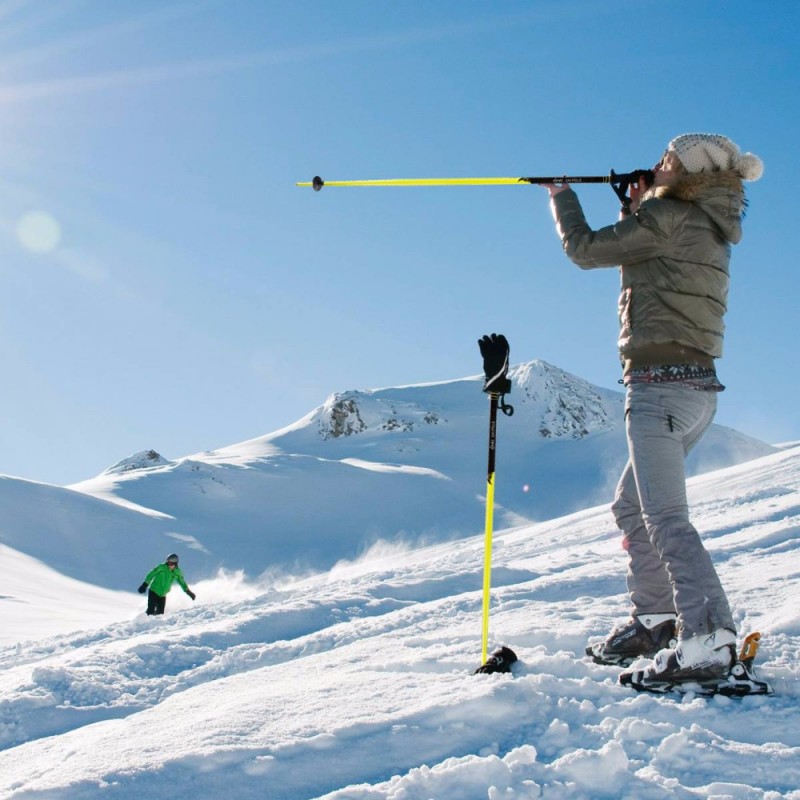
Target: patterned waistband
690,375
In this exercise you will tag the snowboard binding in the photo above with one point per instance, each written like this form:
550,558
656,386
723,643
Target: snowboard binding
741,680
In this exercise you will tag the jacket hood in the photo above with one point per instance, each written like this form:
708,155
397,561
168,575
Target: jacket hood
719,194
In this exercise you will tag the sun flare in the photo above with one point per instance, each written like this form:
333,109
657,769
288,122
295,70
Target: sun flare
39,232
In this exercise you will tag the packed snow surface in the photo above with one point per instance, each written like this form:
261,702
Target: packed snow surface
357,684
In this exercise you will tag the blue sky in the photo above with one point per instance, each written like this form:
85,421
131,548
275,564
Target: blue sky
164,284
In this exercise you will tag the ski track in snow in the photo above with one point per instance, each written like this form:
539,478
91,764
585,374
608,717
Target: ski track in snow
356,684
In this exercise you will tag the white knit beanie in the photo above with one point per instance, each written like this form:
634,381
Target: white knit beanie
709,152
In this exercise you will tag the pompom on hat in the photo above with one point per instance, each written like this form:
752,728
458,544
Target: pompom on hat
710,152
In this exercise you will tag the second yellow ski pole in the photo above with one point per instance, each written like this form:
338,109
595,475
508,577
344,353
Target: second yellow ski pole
495,352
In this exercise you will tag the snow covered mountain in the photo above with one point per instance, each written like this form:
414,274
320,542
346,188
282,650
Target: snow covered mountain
356,684
400,464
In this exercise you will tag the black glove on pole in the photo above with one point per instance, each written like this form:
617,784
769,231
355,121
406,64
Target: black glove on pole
499,661
143,588
495,352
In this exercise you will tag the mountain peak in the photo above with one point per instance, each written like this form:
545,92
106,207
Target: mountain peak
564,406
354,412
557,404
405,461
145,459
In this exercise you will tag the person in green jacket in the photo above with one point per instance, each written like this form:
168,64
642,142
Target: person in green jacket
160,580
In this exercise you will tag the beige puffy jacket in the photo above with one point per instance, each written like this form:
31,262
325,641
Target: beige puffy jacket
673,255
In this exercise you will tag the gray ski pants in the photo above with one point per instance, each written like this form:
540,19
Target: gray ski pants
668,569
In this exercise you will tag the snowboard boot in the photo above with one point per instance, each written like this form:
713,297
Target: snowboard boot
641,637
698,659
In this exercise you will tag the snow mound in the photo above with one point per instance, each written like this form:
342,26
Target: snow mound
357,684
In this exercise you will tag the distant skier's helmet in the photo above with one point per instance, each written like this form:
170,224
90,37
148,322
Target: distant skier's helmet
172,558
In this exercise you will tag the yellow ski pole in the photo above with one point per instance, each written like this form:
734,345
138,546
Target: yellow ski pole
620,183
495,353
487,543
317,183
613,178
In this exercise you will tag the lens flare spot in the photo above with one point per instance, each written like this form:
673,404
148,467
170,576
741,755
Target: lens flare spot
39,232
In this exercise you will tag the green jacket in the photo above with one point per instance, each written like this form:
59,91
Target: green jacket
161,578
674,254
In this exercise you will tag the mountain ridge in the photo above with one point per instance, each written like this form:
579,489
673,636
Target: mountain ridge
400,464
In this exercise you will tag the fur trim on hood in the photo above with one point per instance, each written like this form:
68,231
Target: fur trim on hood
694,186
719,194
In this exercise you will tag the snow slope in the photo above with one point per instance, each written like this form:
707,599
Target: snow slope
356,684
58,603
401,464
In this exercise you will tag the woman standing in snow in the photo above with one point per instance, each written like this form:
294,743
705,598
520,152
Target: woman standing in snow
674,250
160,580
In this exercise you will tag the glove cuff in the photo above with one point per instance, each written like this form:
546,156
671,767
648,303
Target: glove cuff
498,385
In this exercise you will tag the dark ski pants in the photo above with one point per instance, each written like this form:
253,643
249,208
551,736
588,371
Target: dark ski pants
155,603
669,570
